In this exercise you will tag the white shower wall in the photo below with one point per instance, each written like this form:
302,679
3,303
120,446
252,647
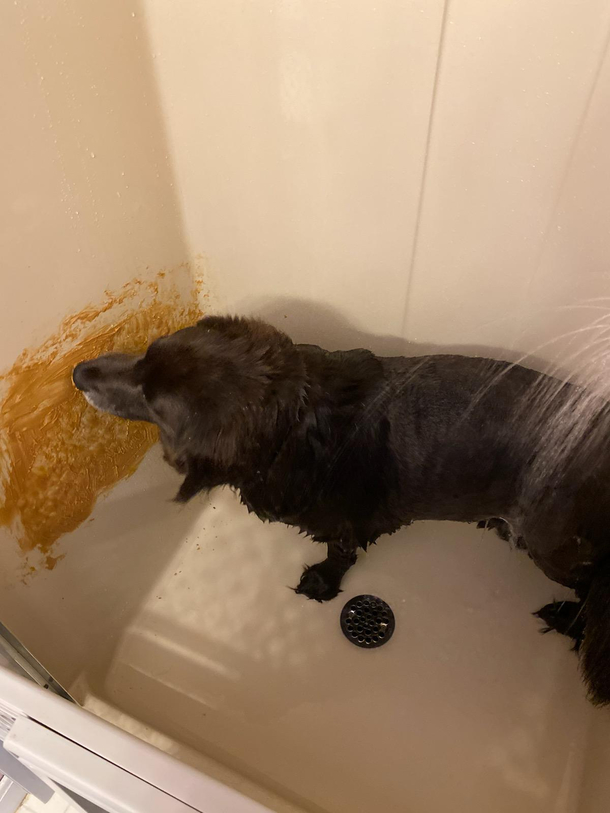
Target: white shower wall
298,133
87,197
430,170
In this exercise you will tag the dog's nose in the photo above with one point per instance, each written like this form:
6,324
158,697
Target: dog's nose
84,374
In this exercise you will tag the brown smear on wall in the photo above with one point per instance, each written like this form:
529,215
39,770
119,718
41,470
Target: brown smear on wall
59,453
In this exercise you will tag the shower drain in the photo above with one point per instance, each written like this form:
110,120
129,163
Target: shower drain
367,621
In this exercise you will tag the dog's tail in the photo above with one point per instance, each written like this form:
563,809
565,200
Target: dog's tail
595,648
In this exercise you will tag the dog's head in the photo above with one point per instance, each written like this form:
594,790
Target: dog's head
216,390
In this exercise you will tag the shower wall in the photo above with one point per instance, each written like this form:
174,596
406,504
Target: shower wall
87,204
427,170
88,199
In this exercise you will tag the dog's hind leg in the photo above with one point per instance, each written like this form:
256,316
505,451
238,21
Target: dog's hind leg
323,580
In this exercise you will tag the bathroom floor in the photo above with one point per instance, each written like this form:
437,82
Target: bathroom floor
467,708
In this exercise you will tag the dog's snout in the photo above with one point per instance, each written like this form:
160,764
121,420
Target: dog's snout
84,374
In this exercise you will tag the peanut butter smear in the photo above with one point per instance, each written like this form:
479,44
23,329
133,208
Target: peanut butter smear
58,454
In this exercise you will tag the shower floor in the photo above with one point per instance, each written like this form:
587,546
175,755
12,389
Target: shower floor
466,709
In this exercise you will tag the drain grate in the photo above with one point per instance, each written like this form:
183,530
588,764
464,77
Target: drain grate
367,621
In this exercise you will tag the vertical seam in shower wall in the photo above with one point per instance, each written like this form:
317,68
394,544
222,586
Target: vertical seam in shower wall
569,160
424,172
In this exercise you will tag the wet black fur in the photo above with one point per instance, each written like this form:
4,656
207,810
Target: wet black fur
348,446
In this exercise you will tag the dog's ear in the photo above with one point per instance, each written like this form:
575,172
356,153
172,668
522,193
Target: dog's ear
205,445
171,418
221,392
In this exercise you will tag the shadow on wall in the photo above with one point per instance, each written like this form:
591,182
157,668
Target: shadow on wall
313,322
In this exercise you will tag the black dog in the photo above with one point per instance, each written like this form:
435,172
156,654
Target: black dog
348,446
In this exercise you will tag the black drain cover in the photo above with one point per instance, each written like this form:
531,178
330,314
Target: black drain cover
367,621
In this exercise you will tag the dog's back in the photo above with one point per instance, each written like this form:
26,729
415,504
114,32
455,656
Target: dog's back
462,433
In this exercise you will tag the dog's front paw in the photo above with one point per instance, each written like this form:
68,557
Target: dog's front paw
319,583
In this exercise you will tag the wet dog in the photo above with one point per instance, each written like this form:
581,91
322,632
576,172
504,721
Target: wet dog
348,446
